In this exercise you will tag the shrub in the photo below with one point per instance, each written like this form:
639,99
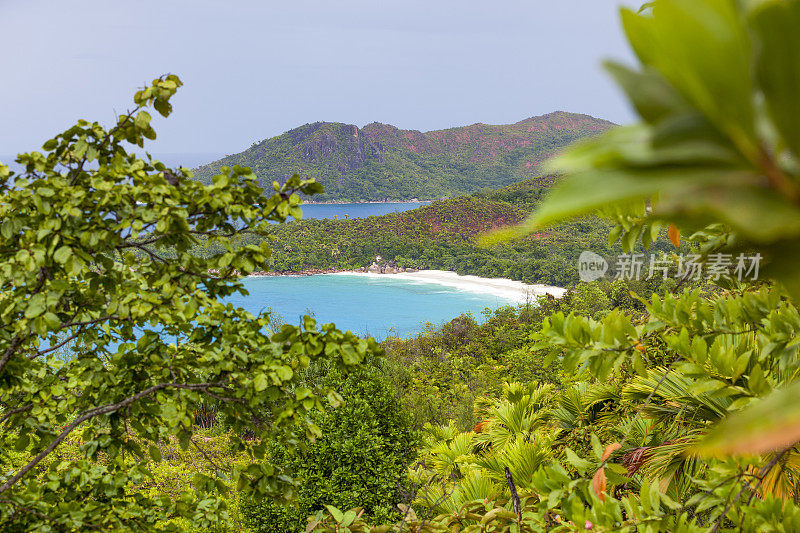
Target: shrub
360,460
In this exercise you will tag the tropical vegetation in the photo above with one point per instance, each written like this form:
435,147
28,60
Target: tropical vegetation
682,418
119,350
381,162
444,234
650,405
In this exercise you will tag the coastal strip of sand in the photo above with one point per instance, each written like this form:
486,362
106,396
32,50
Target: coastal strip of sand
513,291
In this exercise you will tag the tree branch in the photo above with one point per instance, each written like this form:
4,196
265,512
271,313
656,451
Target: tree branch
13,412
12,348
56,347
91,413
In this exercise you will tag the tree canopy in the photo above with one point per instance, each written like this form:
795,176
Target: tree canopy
112,330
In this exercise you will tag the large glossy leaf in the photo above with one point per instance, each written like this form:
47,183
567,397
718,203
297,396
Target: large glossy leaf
757,213
591,190
768,424
702,49
776,23
649,93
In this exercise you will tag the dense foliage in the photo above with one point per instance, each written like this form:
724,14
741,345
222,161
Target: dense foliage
379,161
360,460
623,406
683,417
145,340
443,236
440,373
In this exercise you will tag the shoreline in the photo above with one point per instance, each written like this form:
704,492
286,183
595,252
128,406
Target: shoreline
343,202
309,272
507,289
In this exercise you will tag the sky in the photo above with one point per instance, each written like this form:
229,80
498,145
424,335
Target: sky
254,69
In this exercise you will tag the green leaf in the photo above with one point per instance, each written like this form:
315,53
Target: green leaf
36,306
335,399
349,355
260,382
52,321
702,48
62,254
649,93
335,513
22,442
778,65
284,373
645,497
155,453
303,392
597,448
592,183
770,424
758,213
348,518
581,465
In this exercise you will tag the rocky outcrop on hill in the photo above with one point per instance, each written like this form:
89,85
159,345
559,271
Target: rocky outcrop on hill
318,142
383,161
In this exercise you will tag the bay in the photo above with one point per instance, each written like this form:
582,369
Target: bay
377,306
357,210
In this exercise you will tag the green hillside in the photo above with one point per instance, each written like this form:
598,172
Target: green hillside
442,236
380,161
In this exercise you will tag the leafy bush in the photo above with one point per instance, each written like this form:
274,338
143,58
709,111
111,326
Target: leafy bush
361,458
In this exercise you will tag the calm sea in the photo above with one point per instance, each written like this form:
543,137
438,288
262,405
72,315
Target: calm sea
364,305
341,211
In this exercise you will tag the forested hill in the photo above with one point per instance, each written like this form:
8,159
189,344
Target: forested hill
442,236
380,161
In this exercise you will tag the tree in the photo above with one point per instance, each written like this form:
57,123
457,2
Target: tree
589,299
95,254
360,460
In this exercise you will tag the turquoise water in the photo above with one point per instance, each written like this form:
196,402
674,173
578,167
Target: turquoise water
357,210
376,306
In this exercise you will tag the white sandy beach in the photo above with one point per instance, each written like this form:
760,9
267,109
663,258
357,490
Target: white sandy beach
513,291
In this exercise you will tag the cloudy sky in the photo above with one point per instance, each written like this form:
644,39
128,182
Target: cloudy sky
253,69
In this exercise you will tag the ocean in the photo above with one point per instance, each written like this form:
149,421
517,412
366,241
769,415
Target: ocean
359,210
379,306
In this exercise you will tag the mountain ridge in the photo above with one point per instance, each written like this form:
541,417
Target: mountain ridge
381,161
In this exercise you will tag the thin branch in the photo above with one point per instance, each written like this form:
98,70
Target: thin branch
760,479
153,256
56,347
12,348
90,322
203,452
91,413
514,495
13,412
